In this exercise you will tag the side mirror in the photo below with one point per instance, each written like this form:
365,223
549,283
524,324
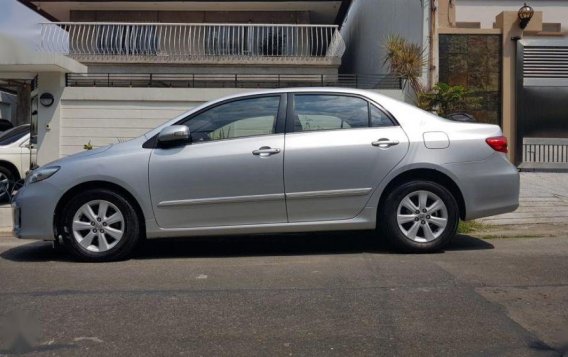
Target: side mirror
175,134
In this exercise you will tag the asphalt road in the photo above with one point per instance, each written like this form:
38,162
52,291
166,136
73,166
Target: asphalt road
325,294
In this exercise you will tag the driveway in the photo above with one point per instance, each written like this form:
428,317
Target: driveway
314,294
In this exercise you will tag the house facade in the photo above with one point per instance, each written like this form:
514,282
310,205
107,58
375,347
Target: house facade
519,70
131,65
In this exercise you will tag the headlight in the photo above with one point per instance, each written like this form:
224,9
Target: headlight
42,173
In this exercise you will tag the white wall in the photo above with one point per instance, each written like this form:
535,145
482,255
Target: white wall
104,122
484,11
367,25
19,22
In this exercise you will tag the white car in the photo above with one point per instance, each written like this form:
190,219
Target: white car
14,158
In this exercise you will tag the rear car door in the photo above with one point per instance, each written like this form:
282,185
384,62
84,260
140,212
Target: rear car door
338,148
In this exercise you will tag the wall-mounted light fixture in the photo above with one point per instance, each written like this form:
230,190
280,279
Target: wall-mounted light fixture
46,99
525,15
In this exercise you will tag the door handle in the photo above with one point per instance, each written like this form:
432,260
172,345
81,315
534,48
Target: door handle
265,151
385,143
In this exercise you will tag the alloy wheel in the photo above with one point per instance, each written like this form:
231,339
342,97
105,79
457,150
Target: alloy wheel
422,216
98,226
4,186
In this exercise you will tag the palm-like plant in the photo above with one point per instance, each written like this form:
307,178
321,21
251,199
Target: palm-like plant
405,60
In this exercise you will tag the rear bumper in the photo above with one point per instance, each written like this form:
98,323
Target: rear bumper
489,187
33,210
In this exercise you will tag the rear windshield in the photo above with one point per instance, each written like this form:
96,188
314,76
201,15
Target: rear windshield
14,134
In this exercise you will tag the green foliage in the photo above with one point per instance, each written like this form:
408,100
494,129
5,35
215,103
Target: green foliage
405,60
88,146
445,99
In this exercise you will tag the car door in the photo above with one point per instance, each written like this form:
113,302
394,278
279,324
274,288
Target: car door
232,171
338,148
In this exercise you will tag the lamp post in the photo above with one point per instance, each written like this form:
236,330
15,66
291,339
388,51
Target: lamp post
525,15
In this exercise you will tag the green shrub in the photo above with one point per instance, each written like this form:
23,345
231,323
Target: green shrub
445,99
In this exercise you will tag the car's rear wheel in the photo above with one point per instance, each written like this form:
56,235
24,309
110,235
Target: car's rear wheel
7,179
419,216
100,225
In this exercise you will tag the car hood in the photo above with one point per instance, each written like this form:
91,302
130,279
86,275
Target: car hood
105,151
79,156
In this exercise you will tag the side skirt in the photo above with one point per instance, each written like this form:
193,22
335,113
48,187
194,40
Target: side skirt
365,220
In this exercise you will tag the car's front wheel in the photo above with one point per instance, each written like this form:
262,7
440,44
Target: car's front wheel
100,225
419,216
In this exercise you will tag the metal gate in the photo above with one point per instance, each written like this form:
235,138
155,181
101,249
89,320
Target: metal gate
542,103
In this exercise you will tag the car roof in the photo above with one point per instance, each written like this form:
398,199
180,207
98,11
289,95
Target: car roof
301,90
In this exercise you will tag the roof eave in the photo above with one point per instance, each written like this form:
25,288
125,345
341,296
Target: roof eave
30,5
345,4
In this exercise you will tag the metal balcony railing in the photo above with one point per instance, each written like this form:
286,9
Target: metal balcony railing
227,80
186,43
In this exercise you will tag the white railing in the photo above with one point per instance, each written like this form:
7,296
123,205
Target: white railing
98,41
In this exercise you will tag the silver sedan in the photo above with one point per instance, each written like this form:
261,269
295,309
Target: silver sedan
289,160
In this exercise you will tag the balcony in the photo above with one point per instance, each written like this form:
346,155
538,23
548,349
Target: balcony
200,43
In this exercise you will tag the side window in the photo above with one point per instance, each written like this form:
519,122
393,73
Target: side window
328,112
241,118
379,118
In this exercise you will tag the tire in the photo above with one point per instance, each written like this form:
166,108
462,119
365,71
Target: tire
7,180
97,236
425,231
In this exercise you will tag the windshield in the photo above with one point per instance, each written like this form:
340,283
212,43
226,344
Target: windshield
10,136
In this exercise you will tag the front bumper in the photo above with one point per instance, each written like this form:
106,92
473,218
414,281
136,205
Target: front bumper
489,187
33,210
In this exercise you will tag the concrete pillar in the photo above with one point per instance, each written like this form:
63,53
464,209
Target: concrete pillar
508,22
49,118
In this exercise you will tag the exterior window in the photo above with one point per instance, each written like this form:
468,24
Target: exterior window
379,118
329,112
241,118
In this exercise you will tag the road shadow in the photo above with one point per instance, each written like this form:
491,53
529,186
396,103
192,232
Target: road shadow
243,246
467,242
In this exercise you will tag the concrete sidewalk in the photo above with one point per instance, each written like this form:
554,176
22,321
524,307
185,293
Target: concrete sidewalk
543,200
5,218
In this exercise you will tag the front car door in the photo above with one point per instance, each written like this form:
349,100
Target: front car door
338,149
230,174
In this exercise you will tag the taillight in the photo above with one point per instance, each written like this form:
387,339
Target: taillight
498,143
